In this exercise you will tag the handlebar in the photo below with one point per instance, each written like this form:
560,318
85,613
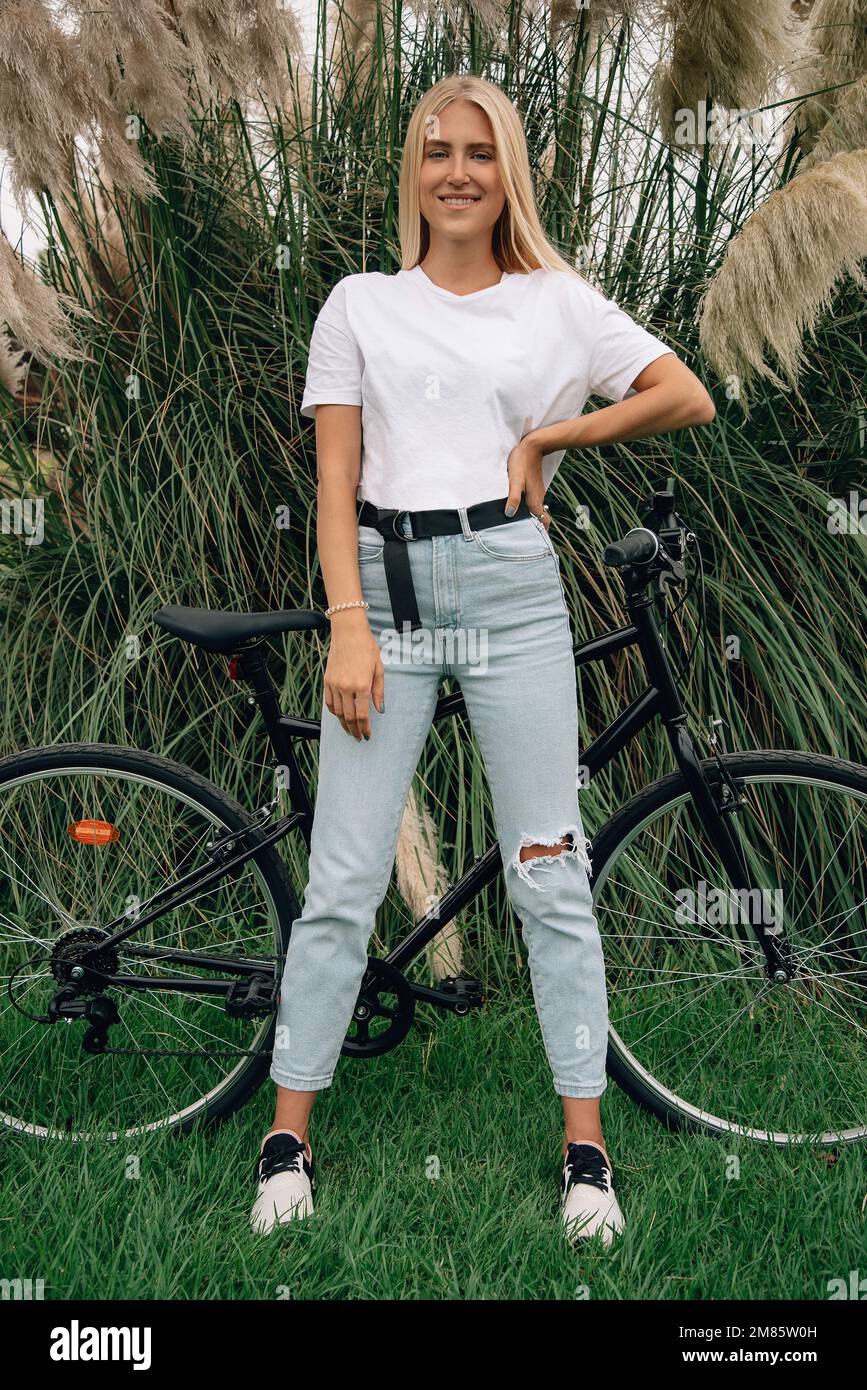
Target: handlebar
661,539
638,547
655,552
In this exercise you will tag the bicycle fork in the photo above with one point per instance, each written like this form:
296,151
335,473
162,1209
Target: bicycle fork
715,821
711,814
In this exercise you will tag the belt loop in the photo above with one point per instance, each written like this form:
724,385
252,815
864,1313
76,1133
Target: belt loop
465,525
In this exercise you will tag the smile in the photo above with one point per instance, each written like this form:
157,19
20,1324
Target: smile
458,200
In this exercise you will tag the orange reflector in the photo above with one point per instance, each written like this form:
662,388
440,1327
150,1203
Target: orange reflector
93,832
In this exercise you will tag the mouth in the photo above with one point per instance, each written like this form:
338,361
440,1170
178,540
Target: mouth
459,200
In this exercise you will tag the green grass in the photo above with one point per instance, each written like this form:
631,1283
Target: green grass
475,1093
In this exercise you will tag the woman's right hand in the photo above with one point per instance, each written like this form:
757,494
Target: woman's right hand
353,672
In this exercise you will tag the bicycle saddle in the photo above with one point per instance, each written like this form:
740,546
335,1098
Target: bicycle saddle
226,632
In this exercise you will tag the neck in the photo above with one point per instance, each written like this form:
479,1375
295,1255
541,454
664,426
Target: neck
460,267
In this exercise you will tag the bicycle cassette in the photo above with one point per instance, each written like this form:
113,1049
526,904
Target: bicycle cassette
66,957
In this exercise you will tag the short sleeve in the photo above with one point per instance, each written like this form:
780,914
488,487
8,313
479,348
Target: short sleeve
621,349
335,362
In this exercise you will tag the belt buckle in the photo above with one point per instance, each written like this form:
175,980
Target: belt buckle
400,535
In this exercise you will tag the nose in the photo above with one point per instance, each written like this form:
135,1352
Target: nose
459,172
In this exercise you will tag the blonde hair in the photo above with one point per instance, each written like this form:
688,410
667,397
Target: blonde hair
519,243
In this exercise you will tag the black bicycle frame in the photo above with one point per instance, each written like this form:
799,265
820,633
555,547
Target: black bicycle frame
660,698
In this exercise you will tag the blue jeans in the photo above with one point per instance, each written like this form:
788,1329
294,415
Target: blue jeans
494,616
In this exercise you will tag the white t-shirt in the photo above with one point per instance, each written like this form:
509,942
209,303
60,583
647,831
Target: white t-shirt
448,384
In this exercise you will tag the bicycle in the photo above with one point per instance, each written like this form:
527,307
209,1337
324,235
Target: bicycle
161,911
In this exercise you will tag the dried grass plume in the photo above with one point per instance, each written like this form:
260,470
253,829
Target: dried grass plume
34,311
421,879
728,54
831,56
138,58
781,271
49,95
239,46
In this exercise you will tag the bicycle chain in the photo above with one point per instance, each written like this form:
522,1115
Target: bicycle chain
178,1052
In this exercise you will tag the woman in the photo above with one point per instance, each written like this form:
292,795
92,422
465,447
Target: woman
444,397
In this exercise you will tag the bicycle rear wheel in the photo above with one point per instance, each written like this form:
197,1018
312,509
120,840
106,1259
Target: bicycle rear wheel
58,881
699,1034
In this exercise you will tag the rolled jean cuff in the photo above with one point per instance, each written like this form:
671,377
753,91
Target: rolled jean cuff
299,1083
573,1092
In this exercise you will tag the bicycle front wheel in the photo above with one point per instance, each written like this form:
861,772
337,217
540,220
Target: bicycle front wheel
90,832
698,1031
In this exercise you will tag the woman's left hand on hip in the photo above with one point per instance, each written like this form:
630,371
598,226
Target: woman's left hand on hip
525,479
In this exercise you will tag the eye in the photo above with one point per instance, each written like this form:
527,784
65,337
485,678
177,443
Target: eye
478,154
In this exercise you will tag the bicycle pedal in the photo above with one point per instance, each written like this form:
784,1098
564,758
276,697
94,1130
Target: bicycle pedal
465,987
257,994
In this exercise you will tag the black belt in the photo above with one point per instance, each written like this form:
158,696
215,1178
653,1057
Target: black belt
439,521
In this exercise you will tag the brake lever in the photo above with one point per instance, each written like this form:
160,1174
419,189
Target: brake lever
671,548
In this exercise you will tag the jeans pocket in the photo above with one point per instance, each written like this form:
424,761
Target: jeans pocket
370,544
515,540
541,527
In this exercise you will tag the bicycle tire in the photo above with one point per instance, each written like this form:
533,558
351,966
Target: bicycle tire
177,778
653,1096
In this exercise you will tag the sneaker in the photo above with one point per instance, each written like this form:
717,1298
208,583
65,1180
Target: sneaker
589,1203
284,1172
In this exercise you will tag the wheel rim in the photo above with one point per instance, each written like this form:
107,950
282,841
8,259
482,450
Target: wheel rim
51,884
703,1028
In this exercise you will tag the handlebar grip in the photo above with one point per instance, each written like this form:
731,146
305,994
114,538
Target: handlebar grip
637,547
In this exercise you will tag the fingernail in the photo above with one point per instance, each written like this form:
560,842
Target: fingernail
382,708
510,511
367,736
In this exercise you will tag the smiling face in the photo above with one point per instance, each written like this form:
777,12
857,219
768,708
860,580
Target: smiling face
460,191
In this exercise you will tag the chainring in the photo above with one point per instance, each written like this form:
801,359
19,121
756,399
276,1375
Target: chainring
380,979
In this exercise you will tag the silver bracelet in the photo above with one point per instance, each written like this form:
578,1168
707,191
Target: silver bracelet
355,603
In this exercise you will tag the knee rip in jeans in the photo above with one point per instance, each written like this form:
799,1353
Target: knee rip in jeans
539,860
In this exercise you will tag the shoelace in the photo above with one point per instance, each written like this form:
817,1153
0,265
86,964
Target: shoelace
285,1159
588,1166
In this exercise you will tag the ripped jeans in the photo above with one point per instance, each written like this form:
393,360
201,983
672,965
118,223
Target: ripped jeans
494,616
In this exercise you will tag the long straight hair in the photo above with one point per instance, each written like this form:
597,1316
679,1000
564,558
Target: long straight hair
518,241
